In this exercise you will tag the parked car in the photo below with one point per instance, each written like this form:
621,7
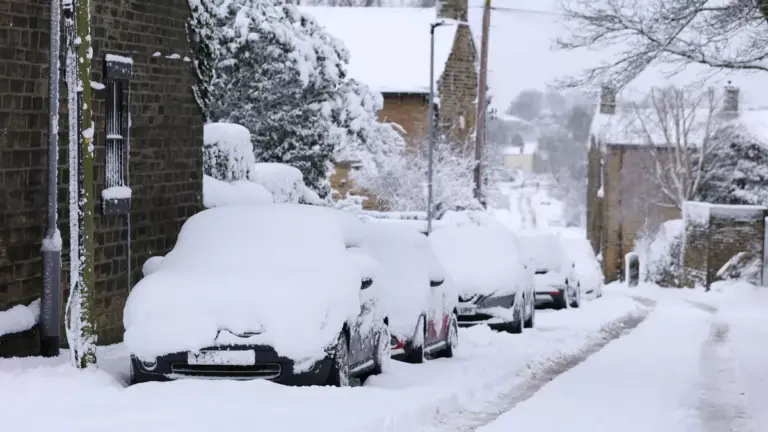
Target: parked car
494,286
418,297
588,273
554,273
274,291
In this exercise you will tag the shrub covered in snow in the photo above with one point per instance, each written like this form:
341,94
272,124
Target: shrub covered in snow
285,183
281,271
743,266
401,183
283,77
217,193
227,151
663,255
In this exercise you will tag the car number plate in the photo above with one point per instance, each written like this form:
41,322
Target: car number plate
467,310
231,358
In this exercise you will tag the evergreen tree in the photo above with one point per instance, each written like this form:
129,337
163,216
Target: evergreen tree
280,75
201,30
738,171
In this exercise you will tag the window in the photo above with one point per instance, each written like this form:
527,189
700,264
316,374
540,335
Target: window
116,196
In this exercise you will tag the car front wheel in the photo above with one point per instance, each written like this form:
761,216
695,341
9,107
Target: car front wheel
576,297
416,352
452,337
383,351
339,373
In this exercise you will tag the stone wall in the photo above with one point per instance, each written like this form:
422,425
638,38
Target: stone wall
165,159
409,112
714,234
457,88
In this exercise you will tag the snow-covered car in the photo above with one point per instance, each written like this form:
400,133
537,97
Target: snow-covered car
274,291
416,294
588,274
554,273
485,264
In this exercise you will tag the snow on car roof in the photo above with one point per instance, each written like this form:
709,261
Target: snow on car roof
480,259
542,250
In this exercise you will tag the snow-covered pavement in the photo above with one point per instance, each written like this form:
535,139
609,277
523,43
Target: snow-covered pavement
409,397
641,359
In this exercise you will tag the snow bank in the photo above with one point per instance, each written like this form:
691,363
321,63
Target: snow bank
481,260
19,318
284,182
618,390
217,193
282,271
407,267
227,151
151,265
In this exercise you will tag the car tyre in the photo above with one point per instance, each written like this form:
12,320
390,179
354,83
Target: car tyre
452,337
339,374
416,354
576,297
383,352
530,322
516,326
562,301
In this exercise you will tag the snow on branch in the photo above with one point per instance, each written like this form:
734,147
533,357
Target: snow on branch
728,34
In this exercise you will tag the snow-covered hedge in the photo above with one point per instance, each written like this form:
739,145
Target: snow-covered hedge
284,182
227,151
661,257
217,193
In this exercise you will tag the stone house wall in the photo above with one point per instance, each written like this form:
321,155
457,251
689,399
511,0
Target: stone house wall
165,161
629,206
410,112
714,234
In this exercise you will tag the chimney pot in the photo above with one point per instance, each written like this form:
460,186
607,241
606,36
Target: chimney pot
607,100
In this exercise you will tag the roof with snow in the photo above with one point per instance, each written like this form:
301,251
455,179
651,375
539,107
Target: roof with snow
528,148
389,47
628,126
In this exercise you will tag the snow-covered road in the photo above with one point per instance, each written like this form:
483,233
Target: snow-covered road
635,360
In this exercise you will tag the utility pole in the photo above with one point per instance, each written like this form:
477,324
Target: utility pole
481,104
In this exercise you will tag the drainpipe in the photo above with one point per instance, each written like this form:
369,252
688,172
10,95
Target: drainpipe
50,308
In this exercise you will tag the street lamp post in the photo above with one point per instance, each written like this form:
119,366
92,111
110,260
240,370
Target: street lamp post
431,123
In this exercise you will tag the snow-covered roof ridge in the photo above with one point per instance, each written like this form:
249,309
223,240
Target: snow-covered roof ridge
625,127
389,46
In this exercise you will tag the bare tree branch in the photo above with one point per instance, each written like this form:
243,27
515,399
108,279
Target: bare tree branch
730,36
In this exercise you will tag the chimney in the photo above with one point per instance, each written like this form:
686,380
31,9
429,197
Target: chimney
731,101
453,9
607,100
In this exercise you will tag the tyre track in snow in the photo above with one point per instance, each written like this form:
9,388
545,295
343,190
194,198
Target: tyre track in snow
722,404
539,376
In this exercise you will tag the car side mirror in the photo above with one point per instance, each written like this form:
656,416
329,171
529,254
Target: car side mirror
366,283
436,283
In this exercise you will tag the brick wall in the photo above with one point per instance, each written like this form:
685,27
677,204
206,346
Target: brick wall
165,159
714,234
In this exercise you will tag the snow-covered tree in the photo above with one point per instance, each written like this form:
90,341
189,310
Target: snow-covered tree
680,129
201,30
739,172
401,184
726,34
284,78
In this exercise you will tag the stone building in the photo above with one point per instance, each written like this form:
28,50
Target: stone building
623,199
716,233
161,144
397,65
